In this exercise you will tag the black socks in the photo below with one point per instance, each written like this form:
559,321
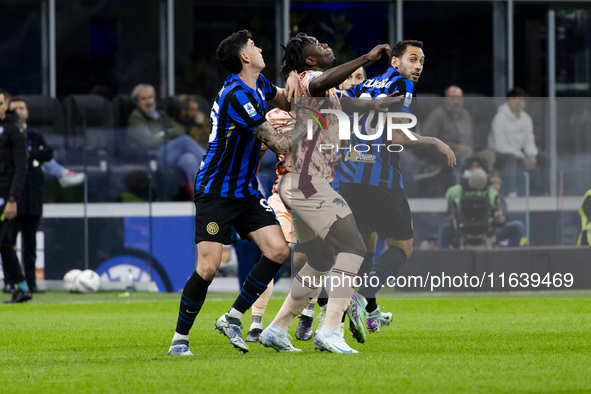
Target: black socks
256,283
191,302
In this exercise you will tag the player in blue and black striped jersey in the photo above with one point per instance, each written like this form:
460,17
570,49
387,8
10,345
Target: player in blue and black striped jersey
372,184
226,192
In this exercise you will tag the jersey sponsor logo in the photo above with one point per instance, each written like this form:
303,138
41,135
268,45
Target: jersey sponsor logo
383,84
250,110
359,157
212,228
407,99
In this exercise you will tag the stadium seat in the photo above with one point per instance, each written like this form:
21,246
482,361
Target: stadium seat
122,108
46,116
90,116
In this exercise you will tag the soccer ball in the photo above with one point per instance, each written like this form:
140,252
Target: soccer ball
88,281
70,280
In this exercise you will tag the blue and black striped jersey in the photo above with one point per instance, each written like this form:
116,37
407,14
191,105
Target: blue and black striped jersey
377,166
229,166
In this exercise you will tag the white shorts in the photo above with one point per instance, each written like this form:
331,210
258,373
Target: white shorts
316,214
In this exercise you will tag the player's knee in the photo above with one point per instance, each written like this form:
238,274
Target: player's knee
299,259
279,253
344,237
206,271
406,246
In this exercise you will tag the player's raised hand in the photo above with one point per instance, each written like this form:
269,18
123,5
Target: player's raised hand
383,104
447,151
292,86
378,51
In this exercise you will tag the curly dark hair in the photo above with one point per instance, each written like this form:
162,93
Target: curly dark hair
228,52
293,57
400,47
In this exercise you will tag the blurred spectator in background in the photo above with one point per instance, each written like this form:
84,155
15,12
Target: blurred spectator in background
150,130
515,228
30,203
65,177
195,122
452,123
512,139
430,243
474,169
585,212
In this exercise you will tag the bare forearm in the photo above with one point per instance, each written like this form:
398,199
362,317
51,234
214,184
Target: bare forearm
335,76
421,141
280,100
278,143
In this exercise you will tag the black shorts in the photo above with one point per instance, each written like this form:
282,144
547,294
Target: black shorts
385,211
215,216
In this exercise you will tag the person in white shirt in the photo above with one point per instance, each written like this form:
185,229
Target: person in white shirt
512,139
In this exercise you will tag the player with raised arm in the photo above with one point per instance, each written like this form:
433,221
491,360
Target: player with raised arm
226,190
323,221
372,185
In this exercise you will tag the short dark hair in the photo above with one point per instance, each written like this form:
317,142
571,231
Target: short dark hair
516,92
475,158
228,52
6,94
400,47
17,98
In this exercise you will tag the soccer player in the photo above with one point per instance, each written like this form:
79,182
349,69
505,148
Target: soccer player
323,221
282,122
226,190
373,186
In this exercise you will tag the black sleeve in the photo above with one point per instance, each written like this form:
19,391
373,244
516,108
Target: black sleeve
35,153
406,89
18,141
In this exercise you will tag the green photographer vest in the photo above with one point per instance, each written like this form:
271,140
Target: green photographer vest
585,222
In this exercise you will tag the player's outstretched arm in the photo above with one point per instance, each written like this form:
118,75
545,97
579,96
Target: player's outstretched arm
278,143
423,142
333,77
351,104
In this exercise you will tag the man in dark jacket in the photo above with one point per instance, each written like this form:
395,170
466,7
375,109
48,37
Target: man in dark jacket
13,173
30,204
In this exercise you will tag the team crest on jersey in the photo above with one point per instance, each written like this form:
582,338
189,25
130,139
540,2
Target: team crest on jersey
407,99
212,228
250,110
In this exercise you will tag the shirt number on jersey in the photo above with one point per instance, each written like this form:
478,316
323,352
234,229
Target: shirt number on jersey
266,205
213,118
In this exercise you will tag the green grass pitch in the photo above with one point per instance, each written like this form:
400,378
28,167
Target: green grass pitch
103,343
